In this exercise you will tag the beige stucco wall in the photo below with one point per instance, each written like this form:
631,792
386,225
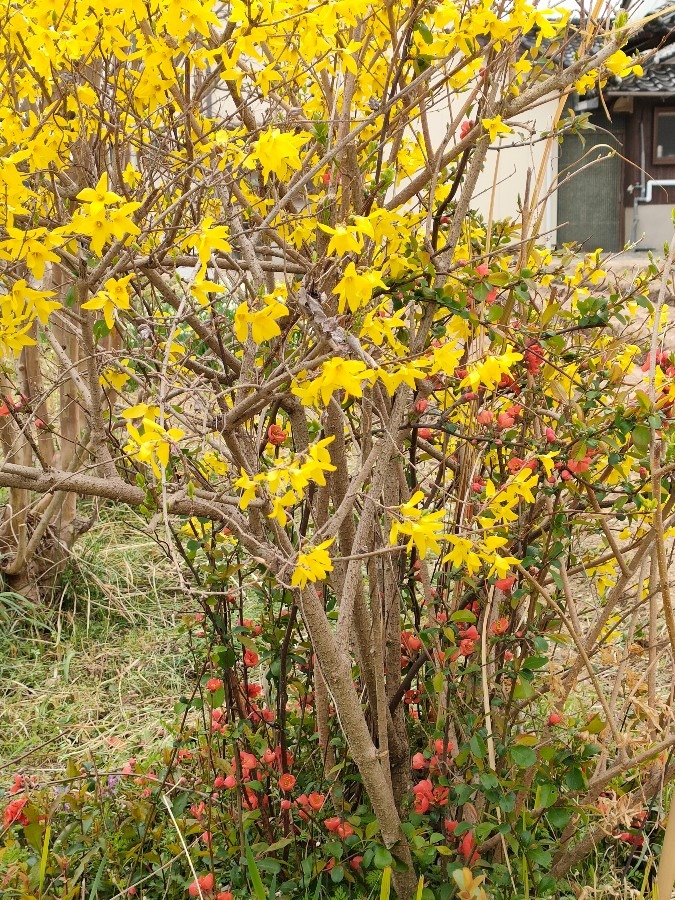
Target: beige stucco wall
510,158
654,225
509,161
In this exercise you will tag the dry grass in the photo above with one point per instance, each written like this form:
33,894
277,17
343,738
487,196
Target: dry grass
98,671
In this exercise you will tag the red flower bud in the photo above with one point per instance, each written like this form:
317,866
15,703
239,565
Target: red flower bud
465,128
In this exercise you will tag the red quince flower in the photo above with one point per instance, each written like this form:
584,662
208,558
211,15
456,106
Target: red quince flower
287,782
410,641
504,420
14,814
533,358
316,800
419,762
276,435
471,633
515,464
500,626
467,848
440,748
466,647
505,584
344,830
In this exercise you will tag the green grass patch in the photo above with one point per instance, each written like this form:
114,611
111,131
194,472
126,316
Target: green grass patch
97,671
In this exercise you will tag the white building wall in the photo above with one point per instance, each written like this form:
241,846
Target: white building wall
653,228
507,164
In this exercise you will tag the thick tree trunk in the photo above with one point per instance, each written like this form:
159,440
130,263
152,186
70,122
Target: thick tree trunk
38,533
337,675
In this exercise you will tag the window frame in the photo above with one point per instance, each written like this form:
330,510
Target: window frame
661,160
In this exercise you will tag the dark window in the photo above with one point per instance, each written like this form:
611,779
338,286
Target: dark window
664,136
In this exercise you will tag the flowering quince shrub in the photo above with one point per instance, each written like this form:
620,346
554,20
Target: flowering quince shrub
414,470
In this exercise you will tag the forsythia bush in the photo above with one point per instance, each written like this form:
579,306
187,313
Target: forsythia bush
405,460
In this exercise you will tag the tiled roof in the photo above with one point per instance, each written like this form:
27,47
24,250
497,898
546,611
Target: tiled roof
659,65
658,78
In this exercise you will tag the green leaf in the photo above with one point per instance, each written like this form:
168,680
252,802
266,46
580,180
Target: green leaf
463,792
549,312
481,291
382,858
218,697
385,888
100,329
575,779
522,292
270,865
489,781
643,400
596,725
45,855
425,32
337,874
559,817
546,796
642,436
97,878
478,748
254,875
463,615
499,279
535,662
523,690
523,756
438,682
33,835
540,857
